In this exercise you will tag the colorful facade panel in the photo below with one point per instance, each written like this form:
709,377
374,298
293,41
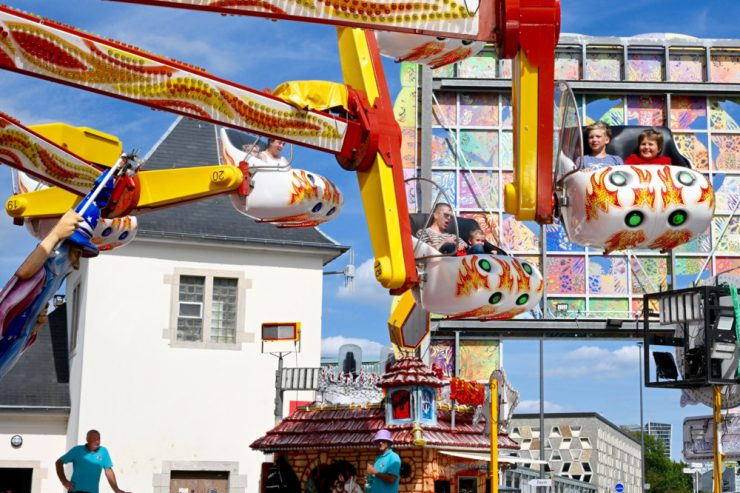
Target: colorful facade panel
725,67
565,274
646,110
726,152
603,65
688,112
687,67
478,359
482,66
479,148
607,275
645,67
478,109
479,190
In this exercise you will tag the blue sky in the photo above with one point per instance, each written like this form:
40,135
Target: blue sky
261,54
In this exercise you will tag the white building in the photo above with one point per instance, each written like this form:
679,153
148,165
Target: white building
164,341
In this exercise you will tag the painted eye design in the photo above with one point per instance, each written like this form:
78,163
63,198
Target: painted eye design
485,265
123,236
317,207
618,179
495,298
311,178
466,42
677,218
331,211
686,178
106,232
634,219
527,268
522,299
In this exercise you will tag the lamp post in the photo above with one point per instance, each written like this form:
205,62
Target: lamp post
642,425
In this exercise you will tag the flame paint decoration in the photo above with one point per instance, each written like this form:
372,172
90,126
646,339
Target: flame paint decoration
44,48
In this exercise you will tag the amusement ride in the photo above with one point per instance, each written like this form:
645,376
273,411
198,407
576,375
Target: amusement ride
614,208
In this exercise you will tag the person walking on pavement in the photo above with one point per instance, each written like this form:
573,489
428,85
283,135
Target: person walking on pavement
88,461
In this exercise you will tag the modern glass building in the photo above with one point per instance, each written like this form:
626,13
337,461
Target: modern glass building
457,122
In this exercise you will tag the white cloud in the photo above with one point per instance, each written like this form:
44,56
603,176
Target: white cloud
370,349
593,360
533,406
365,288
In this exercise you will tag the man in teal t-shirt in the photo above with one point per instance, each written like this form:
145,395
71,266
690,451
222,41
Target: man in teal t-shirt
387,467
88,461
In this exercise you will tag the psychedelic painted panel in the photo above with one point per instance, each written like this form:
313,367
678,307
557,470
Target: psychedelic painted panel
726,265
479,148
506,116
478,109
478,359
689,112
557,239
506,151
567,65
504,69
728,194
609,109
444,72
725,67
609,308
646,110
607,275
411,189
565,274
488,223
731,240
724,113
687,67
443,148
726,152
446,181
576,307
479,190
645,67
444,111
603,65
520,235
694,147
650,272
442,354
482,66
408,147
637,307
687,269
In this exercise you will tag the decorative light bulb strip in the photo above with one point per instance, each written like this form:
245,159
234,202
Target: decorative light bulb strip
46,49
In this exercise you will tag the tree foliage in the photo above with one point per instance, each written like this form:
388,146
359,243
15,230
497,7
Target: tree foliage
663,475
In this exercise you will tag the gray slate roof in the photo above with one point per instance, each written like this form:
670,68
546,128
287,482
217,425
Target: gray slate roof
193,143
39,380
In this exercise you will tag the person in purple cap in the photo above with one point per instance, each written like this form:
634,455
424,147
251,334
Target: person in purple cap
387,467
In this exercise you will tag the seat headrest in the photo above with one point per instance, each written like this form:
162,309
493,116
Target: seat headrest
465,226
624,142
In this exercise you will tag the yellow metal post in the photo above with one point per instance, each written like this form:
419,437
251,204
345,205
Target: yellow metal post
717,440
493,385
382,202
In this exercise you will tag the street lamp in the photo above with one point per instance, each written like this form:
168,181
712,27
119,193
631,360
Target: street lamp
642,425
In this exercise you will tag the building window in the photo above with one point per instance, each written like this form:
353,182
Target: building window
190,313
223,310
208,309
